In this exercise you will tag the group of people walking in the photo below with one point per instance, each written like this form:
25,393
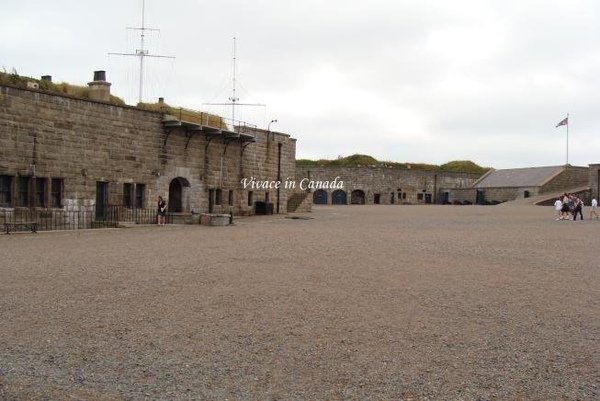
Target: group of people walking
569,206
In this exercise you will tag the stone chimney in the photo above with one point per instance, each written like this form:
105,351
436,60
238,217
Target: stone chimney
99,88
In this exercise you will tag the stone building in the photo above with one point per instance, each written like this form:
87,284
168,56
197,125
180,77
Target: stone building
520,183
60,152
382,185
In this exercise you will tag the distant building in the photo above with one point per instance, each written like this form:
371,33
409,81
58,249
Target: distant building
519,183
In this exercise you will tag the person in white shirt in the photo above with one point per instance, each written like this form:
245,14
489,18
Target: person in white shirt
594,209
558,208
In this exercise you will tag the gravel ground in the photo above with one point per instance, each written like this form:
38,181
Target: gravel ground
356,303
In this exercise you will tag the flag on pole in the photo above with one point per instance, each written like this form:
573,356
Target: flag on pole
563,122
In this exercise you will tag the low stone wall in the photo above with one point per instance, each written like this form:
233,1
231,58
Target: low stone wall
214,219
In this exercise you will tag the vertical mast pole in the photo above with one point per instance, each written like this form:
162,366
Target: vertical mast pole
567,138
141,52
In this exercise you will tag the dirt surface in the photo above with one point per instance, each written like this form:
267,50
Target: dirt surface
357,303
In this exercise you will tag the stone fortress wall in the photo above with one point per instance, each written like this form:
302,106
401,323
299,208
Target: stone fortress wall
382,185
59,151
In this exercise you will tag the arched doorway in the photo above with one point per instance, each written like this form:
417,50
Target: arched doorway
338,197
357,197
175,204
320,197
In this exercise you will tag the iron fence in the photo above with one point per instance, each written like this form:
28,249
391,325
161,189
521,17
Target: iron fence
20,219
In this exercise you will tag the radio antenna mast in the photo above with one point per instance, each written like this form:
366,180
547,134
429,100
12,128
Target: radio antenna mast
233,100
142,52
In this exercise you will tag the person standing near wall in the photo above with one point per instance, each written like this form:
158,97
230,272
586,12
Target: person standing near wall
162,211
577,207
594,209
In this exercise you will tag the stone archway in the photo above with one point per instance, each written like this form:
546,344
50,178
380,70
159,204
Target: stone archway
357,197
338,197
176,186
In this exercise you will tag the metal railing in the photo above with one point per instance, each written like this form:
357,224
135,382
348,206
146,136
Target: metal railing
210,120
59,219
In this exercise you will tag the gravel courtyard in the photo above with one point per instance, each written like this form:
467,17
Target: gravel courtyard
355,303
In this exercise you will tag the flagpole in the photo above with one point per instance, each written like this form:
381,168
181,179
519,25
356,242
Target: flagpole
567,139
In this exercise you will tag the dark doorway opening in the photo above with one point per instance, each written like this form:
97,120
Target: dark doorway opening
175,195
357,197
320,197
480,197
175,203
101,200
338,197
377,199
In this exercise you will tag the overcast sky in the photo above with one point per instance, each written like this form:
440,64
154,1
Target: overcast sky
411,81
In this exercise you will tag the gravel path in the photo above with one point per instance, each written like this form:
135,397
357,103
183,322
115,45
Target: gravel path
356,303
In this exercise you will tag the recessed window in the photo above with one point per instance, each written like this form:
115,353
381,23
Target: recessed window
419,196
250,198
140,191
56,192
5,190
127,194
231,198
40,192
218,196
23,191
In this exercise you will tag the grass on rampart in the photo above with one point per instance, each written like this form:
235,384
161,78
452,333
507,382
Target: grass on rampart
358,160
63,88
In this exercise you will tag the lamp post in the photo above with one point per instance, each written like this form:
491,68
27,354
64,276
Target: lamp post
269,129
278,163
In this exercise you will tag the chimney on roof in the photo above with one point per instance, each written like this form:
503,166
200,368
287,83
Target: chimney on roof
99,88
47,78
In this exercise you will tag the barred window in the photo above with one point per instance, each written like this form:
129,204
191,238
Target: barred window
56,193
40,192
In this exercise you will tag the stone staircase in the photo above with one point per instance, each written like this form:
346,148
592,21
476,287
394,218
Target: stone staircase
548,198
298,202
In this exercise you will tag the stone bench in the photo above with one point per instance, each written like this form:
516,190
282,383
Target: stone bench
32,225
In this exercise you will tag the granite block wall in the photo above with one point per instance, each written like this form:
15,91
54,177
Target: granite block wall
80,143
379,185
